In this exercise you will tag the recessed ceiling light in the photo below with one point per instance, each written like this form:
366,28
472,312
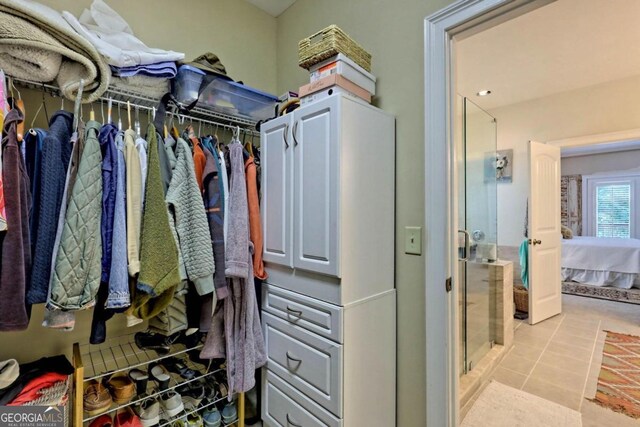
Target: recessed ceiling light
484,93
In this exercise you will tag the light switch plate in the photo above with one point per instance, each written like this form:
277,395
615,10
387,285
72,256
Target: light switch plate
413,240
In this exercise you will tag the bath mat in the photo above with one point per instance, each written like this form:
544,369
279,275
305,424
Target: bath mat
619,380
503,406
631,296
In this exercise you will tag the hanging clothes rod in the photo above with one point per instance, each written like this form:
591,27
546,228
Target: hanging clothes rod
120,97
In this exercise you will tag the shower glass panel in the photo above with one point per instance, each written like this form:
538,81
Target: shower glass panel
477,208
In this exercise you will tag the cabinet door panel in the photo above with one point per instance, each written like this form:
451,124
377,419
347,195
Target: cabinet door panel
316,133
277,191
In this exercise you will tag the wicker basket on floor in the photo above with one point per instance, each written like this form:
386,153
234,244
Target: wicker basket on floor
329,42
521,298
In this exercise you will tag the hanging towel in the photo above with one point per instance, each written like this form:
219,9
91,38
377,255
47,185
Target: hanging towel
114,39
524,263
77,269
118,296
56,153
36,43
158,251
186,210
15,261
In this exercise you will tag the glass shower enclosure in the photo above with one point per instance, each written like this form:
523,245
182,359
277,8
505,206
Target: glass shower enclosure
478,237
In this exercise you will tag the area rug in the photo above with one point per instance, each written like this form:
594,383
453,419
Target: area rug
503,406
619,380
631,296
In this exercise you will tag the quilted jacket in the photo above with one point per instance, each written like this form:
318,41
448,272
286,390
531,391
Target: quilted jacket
188,215
76,276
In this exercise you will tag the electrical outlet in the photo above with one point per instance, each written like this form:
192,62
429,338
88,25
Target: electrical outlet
413,240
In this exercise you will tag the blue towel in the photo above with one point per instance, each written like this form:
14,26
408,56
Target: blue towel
524,261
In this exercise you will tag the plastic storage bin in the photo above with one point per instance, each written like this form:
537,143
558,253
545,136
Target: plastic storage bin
222,95
187,84
236,99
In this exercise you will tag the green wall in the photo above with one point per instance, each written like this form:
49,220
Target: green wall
392,31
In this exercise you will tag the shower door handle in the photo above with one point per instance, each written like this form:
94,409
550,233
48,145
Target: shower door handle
467,244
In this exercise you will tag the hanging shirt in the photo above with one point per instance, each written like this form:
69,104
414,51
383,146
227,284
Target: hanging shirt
15,255
141,146
225,189
56,153
107,137
134,201
118,296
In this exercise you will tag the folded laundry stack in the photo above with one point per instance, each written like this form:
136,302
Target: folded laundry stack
135,67
37,44
336,64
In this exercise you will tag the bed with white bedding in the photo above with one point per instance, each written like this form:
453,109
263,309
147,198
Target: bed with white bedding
601,261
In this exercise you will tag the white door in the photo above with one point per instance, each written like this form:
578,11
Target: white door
316,229
277,191
545,247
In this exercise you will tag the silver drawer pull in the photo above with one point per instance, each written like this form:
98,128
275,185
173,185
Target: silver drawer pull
294,311
293,359
291,423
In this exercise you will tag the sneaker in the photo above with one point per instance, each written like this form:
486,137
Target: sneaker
194,420
171,403
149,412
211,417
229,413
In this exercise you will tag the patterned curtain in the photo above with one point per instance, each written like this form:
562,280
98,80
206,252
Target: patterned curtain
571,203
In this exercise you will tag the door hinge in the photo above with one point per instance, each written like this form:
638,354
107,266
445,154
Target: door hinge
447,284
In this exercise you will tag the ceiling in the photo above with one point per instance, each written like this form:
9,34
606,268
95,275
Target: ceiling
272,7
566,45
609,147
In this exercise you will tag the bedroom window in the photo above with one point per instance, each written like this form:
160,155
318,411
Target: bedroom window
613,210
611,205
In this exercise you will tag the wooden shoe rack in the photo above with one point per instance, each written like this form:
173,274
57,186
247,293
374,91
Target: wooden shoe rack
119,355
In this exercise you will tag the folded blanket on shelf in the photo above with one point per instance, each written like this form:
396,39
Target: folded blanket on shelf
114,39
161,69
39,45
151,87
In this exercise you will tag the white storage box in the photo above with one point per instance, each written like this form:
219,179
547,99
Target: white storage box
341,64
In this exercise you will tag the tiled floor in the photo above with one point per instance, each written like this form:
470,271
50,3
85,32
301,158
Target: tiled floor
559,359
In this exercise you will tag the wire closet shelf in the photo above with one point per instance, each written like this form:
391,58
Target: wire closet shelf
123,98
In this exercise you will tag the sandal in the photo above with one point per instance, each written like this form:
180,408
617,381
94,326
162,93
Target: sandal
141,379
160,374
175,365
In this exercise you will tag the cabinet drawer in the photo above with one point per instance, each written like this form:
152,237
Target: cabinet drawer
307,361
284,406
309,313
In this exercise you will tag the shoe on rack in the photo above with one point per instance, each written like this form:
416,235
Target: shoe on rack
125,417
194,420
178,423
102,421
211,417
159,373
171,403
151,341
141,379
96,398
149,412
121,387
229,413
173,364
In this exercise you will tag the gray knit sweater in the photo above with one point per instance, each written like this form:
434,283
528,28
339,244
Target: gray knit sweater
187,213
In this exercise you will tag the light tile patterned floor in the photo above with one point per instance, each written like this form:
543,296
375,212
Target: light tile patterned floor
559,359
